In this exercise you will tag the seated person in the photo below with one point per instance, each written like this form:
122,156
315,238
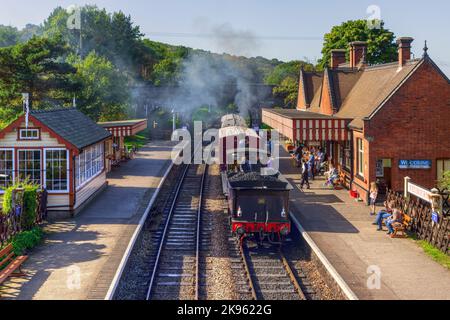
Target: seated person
331,175
397,216
384,214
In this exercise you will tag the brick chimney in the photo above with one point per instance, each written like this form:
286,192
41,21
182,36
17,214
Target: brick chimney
357,51
337,58
404,50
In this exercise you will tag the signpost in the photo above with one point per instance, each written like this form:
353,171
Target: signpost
419,192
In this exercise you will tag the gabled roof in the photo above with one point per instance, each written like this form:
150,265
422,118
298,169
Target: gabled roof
359,93
72,125
373,88
311,82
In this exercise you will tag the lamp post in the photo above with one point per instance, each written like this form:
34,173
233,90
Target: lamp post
174,126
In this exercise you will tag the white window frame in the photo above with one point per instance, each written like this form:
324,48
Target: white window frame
44,170
28,138
13,167
360,157
41,164
95,169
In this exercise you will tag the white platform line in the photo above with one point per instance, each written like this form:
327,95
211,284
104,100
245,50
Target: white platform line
327,264
137,231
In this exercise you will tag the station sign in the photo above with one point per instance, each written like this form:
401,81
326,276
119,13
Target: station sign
420,192
415,164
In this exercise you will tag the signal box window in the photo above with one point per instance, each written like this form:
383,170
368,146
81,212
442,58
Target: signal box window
29,134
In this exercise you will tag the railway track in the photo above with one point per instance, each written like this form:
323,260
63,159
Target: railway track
176,268
269,274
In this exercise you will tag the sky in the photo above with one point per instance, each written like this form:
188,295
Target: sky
283,29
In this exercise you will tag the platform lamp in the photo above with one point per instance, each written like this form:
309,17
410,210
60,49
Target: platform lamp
174,116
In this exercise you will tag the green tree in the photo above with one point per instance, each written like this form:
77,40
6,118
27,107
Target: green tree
35,67
284,78
104,95
381,47
9,36
444,183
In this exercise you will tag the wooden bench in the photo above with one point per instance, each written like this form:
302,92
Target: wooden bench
9,263
400,228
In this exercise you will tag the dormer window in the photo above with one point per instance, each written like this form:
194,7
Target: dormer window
29,134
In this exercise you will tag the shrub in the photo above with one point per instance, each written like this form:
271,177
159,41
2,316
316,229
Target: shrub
27,240
28,217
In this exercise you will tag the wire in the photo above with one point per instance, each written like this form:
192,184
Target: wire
235,36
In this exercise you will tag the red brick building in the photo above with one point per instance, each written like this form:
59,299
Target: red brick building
378,123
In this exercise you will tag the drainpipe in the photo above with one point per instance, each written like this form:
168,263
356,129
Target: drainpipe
352,160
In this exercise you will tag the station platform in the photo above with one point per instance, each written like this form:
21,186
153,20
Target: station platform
342,229
80,256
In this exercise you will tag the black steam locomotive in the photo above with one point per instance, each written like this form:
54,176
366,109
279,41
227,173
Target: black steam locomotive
258,198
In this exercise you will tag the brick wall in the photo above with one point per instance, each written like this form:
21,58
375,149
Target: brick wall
414,124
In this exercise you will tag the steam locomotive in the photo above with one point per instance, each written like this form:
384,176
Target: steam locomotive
257,197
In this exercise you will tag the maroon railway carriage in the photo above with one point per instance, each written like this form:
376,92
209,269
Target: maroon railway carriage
258,205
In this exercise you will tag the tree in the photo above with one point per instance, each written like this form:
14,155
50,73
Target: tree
9,36
444,183
104,95
35,67
284,78
381,47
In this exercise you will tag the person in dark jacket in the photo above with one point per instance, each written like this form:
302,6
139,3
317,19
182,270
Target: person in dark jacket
305,174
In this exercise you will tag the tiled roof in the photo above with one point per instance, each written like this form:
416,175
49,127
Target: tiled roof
358,93
72,125
300,114
373,87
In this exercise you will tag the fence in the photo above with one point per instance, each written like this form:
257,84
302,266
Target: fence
10,222
437,235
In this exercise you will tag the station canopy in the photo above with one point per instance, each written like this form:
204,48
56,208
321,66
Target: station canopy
125,128
299,125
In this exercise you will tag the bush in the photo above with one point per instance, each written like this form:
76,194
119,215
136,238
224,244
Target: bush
30,204
444,183
27,240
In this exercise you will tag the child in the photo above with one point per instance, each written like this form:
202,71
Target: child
373,197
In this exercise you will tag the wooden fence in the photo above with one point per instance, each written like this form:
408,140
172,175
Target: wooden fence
10,222
422,225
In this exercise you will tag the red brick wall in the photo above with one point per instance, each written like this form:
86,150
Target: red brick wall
414,124
325,103
301,97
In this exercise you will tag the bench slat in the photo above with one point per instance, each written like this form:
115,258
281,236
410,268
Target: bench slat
6,250
7,259
13,266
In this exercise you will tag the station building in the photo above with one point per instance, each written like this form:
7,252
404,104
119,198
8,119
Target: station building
377,123
62,150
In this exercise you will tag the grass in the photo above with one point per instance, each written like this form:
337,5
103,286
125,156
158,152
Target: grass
434,253
138,140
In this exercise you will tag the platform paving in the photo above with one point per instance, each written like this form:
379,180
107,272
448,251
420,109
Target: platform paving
342,229
80,255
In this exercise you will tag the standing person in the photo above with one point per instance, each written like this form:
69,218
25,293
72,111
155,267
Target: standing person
373,197
311,163
305,175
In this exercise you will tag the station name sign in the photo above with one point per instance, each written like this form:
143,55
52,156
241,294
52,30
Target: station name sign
420,192
415,164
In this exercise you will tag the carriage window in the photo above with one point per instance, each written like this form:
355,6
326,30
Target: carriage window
6,168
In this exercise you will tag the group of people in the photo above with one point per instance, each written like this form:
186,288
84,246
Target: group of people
390,214
311,161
